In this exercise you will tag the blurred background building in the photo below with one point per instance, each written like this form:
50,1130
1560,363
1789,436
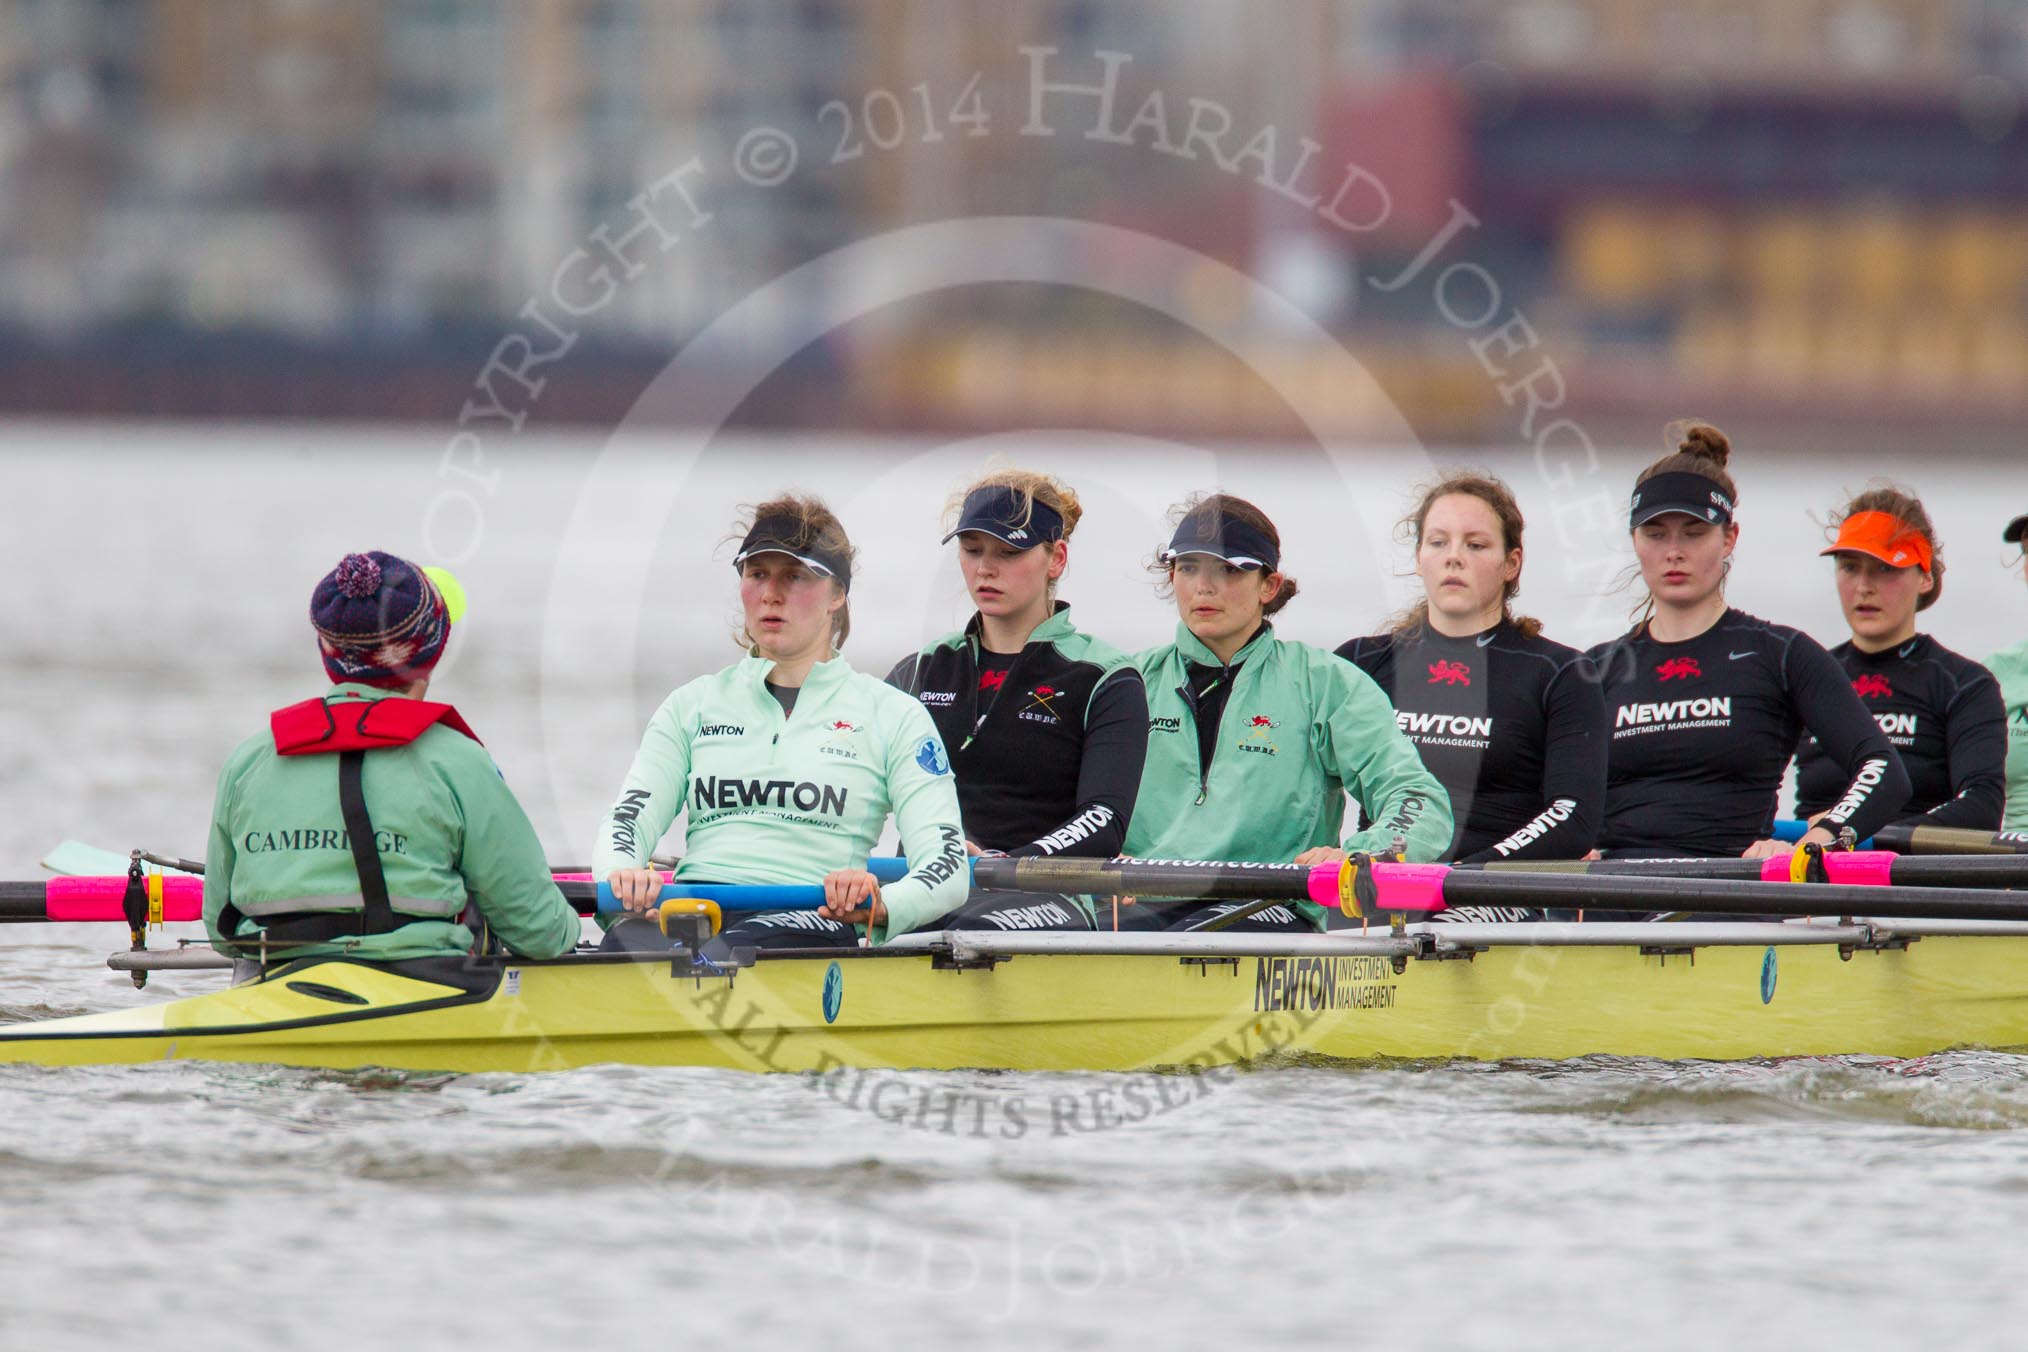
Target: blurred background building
1813,210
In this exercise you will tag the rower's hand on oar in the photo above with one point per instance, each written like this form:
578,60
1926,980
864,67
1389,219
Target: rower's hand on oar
852,895
636,889
1782,849
1320,854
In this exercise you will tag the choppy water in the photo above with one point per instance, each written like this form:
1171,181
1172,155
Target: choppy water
150,606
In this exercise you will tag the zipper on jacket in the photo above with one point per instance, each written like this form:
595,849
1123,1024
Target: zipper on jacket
1203,761
979,719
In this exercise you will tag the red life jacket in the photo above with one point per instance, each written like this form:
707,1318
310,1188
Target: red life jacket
319,726
348,728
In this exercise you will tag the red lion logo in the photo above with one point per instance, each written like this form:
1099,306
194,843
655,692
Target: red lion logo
842,726
1872,686
992,680
1449,673
1257,721
1679,669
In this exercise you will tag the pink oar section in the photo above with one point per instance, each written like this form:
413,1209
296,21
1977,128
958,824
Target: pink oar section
105,898
1400,888
1858,868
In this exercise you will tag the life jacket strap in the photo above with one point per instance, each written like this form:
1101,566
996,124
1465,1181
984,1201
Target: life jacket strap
378,915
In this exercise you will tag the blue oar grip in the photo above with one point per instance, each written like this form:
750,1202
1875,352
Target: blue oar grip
761,896
1792,829
731,897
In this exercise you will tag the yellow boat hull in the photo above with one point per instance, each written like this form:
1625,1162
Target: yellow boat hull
1085,1012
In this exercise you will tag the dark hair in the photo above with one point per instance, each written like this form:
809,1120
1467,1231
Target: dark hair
1700,449
1906,508
816,525
1219,506
1500,498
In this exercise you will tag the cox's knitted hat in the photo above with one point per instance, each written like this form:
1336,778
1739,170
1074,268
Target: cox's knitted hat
381,620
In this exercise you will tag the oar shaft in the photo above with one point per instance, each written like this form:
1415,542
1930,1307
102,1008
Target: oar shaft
1719,896
1866,868
1149,878
888,868
1907,838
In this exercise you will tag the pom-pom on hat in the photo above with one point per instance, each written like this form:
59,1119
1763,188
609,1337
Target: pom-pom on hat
380,620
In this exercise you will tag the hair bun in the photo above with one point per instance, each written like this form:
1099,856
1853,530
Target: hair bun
1701,440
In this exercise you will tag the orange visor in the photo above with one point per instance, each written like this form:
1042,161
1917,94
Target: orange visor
1881,535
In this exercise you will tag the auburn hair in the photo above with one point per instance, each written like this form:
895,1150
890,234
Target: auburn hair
1496,495
1701,449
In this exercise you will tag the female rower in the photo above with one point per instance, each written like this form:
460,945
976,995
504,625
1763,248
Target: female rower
1047,726
2010,667
1941,711
1706,702
790,761
1511,723
1254,740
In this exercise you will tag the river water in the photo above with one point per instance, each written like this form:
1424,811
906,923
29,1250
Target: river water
152,586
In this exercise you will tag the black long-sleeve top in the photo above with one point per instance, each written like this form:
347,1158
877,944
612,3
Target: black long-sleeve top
1514,727
1046,744
1943,713
1702,731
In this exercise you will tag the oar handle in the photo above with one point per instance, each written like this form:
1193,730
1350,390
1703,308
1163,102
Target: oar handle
888,868
1789,830
729,896
733,896
1916,838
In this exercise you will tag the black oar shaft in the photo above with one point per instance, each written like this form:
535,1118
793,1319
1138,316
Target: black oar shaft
1141,877
23,902
1725,897
1904,838
1983,870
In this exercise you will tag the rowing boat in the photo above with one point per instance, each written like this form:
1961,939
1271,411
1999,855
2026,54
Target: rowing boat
1717,990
